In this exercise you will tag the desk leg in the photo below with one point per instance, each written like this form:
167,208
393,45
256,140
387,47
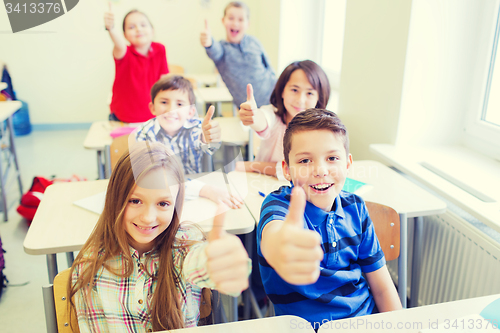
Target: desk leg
4,195
403,259
246,294
100,166
52,266
233,311
417,261
70,257
107,162
13,152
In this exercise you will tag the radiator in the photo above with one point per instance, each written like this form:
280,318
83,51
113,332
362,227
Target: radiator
458,261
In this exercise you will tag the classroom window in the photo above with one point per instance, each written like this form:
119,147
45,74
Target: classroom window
483,123
491,108
333,39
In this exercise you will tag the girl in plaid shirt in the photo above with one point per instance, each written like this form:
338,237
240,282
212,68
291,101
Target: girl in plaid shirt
141,269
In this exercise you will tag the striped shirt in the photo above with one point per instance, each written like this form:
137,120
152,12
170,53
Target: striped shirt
241,64
350,246
186,144
122,304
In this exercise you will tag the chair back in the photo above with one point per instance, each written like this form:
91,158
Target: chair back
118,147
175,69
64,311
386,223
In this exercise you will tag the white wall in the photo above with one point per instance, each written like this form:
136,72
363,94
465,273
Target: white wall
64,68
373,62
300,31
445,73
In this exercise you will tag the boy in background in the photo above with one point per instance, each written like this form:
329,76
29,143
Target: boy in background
173,104
313,254
240,59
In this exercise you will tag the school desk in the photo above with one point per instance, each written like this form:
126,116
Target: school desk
205,80
60,226
388,188
9,157
213,95
413,320
281,324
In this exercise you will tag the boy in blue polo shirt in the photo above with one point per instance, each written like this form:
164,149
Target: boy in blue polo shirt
312,254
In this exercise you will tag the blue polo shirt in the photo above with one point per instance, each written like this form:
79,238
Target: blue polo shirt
350,246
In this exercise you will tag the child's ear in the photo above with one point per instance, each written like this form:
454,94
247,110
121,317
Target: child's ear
192,111
286,171
349,161
152,108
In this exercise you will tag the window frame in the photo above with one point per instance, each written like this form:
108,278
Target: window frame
481,135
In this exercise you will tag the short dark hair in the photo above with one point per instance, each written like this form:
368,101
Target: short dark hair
238,4
312,120
132,12
173,82
317,78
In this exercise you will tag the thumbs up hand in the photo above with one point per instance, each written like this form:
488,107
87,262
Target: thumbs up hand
297,252
206,36
109,18
227,259
211,128
247,109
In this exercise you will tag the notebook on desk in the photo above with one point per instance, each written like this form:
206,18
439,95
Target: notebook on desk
356,186
95,203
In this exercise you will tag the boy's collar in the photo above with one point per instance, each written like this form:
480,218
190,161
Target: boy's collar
189,123
150,51
318,215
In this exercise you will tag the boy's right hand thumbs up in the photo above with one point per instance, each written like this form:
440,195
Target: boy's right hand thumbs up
109,18
247,109
298,251
206,36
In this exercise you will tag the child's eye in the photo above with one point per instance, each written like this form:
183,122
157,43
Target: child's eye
134,201
180,104
311,93
164,204
333,158
295,90
305,160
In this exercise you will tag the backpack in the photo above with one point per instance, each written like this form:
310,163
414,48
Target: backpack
3,278
31,199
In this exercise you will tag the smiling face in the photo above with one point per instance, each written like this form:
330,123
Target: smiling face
138,30
298,94
236,23
172,109
318,163
150,209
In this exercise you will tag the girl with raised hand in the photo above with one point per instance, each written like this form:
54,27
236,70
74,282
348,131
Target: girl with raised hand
137,66
302,85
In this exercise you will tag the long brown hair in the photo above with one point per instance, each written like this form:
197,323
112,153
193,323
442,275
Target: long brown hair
317,78
109,238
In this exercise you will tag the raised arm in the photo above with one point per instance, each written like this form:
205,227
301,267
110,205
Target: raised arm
294,252
120,45
222,263
206,36
214,49
250,115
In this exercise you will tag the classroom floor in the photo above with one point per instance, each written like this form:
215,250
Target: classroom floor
41,153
